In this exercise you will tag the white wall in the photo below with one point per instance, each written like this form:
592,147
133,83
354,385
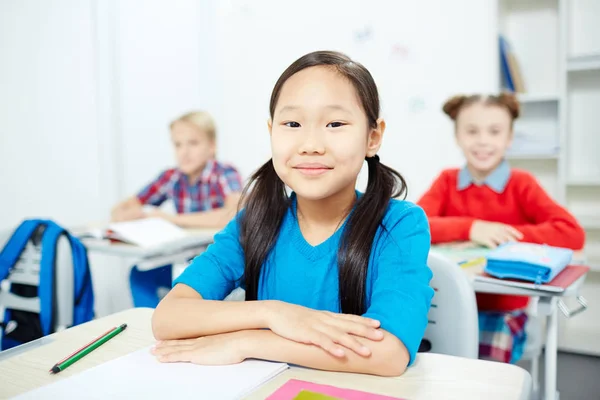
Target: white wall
449,51
48,137
164,69
88,88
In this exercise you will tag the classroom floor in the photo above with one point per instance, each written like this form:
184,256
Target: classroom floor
578,376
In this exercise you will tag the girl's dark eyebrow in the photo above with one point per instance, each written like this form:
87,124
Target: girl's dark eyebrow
331,106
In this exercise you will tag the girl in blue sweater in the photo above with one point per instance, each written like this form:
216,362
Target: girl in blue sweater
334,279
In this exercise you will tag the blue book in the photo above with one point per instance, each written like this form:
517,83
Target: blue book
504,64
527,261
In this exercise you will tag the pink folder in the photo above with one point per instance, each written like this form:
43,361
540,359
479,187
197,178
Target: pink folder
294,386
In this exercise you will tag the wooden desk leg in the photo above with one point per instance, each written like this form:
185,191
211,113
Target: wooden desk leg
548,306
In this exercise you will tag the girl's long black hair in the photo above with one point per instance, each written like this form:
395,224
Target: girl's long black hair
265,199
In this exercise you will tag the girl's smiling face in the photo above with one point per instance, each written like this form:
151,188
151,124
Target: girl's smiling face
484,134
320,134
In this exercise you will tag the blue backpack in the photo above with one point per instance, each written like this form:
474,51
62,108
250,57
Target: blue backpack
24,325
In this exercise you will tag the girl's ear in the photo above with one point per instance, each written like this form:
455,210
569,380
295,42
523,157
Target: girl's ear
375,138
270,125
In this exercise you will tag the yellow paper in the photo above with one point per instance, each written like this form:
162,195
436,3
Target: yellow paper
307,395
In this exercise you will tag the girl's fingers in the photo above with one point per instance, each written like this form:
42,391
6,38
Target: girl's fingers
515,232
510,236
348,341
489,243
324,342
500,238
361,330
356,318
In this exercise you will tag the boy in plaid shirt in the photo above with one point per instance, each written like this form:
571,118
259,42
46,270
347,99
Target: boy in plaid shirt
204,191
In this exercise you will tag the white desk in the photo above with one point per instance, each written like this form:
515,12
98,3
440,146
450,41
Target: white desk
547,307
433,376
145,258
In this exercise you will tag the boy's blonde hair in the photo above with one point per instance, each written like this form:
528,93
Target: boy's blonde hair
201,120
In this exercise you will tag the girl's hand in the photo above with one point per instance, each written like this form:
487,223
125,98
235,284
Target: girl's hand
222,349
492,234
330,331
158,213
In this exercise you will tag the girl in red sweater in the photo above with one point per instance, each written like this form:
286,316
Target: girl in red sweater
489,203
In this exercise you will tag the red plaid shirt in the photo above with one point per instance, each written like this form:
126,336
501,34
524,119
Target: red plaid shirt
209,192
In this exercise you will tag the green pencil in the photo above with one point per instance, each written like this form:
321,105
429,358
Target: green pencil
87,349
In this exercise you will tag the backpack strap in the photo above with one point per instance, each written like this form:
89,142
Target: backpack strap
15,246
83,296
84,290
83,302
47,275
8,258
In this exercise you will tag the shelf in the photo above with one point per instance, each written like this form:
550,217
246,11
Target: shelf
550,157
589,221
527,98
594,264
592,259
584,182
586,62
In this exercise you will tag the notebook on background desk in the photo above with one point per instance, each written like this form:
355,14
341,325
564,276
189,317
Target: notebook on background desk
559,284
473,260
461,254
151,242
147,232
139,375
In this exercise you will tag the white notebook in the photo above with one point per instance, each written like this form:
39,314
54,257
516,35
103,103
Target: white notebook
140,376
147,232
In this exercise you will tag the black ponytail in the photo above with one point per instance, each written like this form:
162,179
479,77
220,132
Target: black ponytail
265,200
264,208
359,233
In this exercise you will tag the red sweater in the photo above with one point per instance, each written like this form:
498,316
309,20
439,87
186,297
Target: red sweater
523,204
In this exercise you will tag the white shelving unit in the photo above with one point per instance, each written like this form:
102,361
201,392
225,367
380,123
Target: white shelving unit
584,62
527,98
557,47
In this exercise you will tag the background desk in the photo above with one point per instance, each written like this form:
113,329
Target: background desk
547,306
145,258
172,252
433,376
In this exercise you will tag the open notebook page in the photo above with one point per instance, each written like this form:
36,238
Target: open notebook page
139,375
147,232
